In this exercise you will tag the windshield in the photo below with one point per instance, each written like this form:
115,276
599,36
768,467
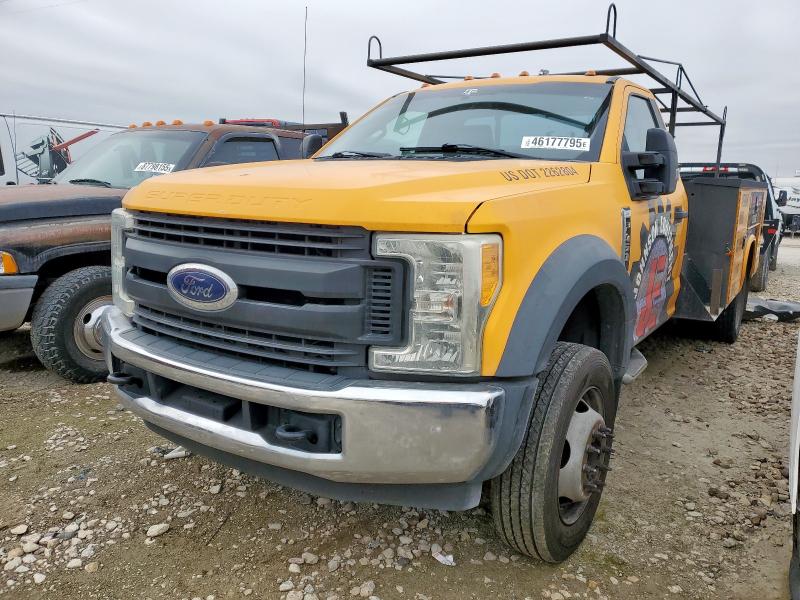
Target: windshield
550,121
127,158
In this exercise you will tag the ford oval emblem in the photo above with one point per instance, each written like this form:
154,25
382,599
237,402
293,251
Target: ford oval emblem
201,287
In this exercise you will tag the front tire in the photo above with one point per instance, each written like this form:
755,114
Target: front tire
544,502
63,326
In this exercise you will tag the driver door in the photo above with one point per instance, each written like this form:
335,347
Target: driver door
656,228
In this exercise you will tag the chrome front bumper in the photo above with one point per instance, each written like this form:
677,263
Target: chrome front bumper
392,432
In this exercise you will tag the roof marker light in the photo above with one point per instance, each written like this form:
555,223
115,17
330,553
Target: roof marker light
495,75
177,122
524,74
160,122
147,124
132,126
468,78
208,122
591,72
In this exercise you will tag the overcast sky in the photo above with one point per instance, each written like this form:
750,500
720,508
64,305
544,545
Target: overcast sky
122,62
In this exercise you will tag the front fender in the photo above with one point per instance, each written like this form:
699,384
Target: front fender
33,243
576,267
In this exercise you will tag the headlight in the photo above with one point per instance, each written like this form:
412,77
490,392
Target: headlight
121,222
455,280
8,266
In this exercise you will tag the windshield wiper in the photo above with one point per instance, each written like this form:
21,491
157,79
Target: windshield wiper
90,181
356,154
461,149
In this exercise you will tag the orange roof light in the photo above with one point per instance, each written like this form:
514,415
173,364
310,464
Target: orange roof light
177,122
468,78
524,74
147,124
495,75
160,122
591,72
208,122
132,126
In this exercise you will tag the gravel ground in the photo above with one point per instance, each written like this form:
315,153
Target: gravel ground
92,505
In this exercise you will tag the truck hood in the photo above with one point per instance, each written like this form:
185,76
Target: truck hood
391,195
28,202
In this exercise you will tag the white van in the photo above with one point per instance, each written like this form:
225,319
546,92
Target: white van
36,149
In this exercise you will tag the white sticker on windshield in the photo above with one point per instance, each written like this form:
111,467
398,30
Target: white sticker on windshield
154,167
556,143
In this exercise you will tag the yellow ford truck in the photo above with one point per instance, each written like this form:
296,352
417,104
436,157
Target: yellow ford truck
448,293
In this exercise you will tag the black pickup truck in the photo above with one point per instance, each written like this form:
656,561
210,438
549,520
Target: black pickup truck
771,231
55,238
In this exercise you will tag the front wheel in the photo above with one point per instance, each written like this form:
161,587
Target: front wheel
544,502
65,324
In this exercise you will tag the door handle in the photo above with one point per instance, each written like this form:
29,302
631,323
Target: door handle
680,214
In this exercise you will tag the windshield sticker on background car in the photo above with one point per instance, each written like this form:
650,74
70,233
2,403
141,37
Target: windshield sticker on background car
556,143
155,167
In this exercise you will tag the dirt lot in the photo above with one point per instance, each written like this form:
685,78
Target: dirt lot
696,506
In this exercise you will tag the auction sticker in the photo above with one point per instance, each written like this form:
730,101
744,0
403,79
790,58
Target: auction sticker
154,167
555,143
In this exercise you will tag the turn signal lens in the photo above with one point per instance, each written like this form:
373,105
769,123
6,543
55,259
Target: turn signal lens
490,272
8,266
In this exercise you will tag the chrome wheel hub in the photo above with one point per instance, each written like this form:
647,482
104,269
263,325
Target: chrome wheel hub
585,457
87,328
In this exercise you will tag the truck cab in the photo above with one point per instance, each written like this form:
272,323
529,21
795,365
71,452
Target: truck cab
448,293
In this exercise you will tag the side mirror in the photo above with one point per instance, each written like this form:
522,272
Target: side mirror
310,145
783,198
658,163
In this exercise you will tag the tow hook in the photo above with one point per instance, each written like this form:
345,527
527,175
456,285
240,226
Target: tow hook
120,378
293,434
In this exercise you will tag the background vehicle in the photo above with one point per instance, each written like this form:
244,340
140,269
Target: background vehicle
448,294
36,149
55,239
772,230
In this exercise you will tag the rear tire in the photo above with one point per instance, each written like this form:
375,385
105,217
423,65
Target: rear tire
70,301
530,513
759,281
726,328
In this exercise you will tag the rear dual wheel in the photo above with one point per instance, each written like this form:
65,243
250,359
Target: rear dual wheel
544,502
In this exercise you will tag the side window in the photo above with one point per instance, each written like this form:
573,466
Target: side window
290,147
2,170
638,120
244,150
